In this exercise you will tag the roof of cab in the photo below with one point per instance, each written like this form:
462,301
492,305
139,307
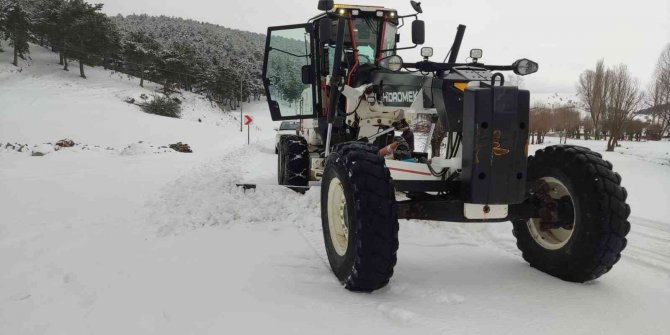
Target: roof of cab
365,8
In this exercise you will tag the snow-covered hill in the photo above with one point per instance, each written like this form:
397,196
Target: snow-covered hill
42,104
100,242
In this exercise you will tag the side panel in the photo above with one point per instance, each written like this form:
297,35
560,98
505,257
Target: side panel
289,58
448,101
495,140
399,89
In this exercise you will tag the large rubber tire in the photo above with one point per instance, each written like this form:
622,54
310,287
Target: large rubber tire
598,233
371,219
293,163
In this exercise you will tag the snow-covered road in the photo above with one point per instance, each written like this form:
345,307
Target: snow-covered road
202,256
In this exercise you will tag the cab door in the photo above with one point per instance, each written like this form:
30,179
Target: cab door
289,72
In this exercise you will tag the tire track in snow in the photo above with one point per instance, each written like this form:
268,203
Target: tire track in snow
314,238
649,244
648,240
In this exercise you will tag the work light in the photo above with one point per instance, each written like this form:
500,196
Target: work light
426,52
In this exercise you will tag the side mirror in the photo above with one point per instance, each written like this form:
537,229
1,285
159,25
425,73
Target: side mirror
325,30
276,129
418,32
326,5
307,78
524,67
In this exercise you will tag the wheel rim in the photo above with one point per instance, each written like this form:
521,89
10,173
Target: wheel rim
557,238
338,219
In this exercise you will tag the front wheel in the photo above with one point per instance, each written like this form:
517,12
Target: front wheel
360,224
586,239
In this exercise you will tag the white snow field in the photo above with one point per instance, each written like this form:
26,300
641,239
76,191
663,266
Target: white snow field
114,236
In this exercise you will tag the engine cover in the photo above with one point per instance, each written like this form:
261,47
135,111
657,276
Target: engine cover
495,145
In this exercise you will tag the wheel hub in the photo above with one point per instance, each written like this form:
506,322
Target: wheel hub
556,224
338,219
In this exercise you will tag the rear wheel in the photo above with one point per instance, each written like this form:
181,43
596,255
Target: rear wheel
360,224
586,239
293,163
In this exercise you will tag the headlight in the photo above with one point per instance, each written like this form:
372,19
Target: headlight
524,67
393,63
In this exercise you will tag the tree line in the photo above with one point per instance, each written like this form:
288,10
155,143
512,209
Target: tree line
618,108
218,62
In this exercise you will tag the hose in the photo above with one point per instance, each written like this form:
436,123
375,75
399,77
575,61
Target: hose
436,174
360,100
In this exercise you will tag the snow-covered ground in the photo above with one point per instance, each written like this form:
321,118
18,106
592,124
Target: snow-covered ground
141,241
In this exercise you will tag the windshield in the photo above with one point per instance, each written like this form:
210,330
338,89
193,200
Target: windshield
372,35
367,32
367,38
288,126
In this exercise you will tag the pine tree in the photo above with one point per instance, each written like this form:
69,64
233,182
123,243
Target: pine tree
177,64
92,35
109,46
46,20
205,58
80,31
140,51
17,25
62,30
67,20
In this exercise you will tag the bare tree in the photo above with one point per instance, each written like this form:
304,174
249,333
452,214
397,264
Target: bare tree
422,125
592,90
566,120
653,132
624,98
634,130
658,97
438,137
540,123
587,126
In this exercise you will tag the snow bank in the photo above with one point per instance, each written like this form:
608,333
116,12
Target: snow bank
208,195
143,148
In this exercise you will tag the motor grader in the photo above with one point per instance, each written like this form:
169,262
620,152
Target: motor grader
341,76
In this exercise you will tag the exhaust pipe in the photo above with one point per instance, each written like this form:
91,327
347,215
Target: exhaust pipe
456,47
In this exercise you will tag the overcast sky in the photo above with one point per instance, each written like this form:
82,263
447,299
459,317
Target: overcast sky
564,36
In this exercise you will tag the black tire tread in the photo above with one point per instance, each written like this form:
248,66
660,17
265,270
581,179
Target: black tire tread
604,201
376,217
294,162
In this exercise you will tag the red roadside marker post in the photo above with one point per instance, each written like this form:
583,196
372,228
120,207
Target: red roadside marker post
248,120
